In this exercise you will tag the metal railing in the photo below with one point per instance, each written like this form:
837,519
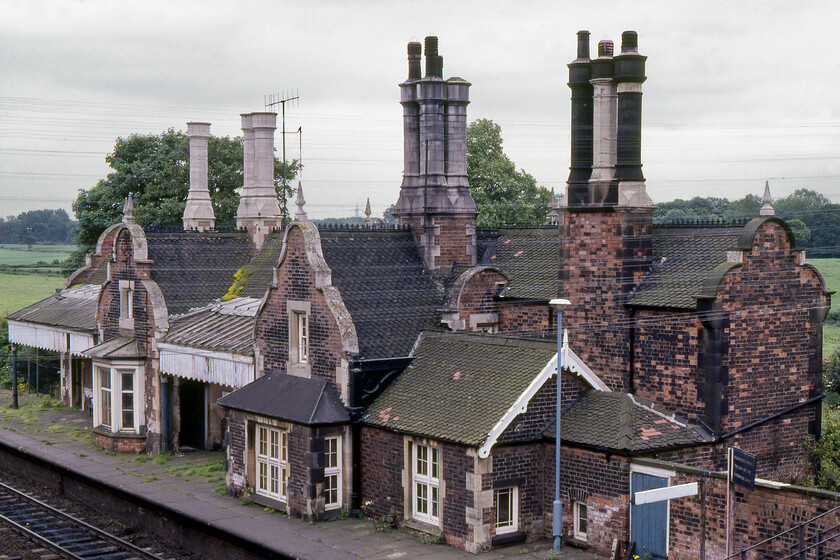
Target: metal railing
816,546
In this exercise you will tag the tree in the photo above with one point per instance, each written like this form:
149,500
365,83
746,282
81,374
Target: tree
38,226
503,194
155,169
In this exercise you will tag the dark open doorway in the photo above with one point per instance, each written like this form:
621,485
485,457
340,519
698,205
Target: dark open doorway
193,409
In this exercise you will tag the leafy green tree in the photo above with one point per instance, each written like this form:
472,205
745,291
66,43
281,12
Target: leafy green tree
503,194
155,169
41,226
801,233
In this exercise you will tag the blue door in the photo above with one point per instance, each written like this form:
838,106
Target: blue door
649,522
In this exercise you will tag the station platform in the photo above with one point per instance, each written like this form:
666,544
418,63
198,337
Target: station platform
192,484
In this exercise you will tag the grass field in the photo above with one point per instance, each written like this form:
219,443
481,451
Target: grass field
18,255
830,269
20,290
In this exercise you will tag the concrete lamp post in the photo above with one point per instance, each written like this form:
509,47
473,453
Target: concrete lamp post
557,510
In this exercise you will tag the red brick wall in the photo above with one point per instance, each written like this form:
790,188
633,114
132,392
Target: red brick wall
296,281
526,319
603,253
119,444
382,465
541,410
478,295
522,466
774,357
605,479
758,515
665,360
451,234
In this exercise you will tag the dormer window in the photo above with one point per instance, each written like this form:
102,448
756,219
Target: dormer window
300,360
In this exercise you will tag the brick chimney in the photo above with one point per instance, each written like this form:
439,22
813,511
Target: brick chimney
605,227
435,199
198,213
259,211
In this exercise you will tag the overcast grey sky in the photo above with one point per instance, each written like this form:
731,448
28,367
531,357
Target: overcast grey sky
737,92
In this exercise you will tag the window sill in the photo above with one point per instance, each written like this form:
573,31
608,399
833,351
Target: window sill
269,502
577,542
508,538
422,526
106,432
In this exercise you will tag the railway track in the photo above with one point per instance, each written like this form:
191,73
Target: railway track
61,533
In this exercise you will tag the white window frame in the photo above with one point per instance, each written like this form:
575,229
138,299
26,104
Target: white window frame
114,372
271,458
425,486
300,339
332,471
511,526
576,517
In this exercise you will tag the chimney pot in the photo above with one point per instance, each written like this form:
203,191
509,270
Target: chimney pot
583,44
629,42
414,51
605,49
431,56
439,67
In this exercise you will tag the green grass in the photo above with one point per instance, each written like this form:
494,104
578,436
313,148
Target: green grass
19,290
830,269
16,255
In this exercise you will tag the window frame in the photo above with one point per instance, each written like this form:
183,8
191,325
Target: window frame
300,338
271,467
512,525
111,416
333,471
576,518
425,486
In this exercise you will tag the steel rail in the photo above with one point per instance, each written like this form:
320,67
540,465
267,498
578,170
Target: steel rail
77,523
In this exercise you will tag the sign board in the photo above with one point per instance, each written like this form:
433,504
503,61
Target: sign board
665,493
741,468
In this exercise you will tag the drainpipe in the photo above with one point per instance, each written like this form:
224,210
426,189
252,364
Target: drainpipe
631,382
14,377
166,413
356,411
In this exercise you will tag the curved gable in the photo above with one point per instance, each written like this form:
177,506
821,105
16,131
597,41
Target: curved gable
747,239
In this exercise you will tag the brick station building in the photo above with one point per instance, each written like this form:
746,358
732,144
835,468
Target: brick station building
411,369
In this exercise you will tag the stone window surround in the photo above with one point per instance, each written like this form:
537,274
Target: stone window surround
126,288
295,366
116,369
410,443
336,471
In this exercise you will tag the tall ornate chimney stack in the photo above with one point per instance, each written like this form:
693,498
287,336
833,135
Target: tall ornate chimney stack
198,213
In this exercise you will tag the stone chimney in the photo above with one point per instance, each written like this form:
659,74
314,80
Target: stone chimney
603,187
629,76
580,168
435,199
259,211
198,213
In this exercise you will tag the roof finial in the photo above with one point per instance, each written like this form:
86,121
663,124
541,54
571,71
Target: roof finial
367,221
300,215
767,209
128,210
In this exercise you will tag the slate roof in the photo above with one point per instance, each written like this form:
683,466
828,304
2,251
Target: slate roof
72,308
222,327
530,256
384,284
683,257
627,423
193,268
263,266
115,349
460,385
296,399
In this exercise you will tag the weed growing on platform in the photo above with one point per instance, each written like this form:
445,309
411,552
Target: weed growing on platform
387,521
220,490
432,538
210,471
246,500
